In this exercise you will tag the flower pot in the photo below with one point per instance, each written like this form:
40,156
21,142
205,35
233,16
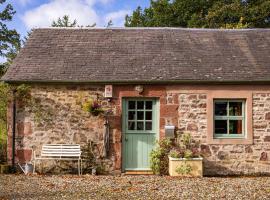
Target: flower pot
186,167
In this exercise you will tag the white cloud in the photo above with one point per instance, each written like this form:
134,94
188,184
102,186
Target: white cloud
43,15
81,10
118,17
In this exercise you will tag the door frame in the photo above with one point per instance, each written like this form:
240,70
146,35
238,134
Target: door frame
123,106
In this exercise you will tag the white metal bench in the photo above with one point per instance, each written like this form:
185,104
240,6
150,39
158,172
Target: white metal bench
60,152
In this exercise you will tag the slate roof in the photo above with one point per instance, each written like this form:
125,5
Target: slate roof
143,55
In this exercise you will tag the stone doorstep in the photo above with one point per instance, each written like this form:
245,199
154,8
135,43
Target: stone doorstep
138,172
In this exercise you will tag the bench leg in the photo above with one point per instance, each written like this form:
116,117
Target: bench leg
79,167
34,167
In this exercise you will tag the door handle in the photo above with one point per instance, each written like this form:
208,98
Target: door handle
126,139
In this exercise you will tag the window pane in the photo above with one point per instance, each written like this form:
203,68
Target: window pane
220,126
131,115
140,115
131,125
148,115
131,105
235,127
139,125
148,125
140,104
221,108
148,105
235,108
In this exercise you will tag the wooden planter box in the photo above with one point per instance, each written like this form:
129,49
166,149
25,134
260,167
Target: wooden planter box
196,165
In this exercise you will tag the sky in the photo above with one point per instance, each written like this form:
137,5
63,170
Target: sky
40,13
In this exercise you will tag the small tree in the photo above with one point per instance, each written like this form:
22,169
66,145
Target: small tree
64,22
109,24
9,38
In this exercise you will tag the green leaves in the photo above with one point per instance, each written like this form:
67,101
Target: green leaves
159,157
202,14
9,38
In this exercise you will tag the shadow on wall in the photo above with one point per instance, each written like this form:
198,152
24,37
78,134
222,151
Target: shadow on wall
219,168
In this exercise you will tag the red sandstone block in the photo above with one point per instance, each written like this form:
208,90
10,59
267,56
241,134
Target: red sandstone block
162,134
162,122
168,110
117,147
24,155
162,100
117,136
175,99
115,122
24,128
118,162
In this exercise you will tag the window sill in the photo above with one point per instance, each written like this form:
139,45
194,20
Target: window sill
239,136
230,141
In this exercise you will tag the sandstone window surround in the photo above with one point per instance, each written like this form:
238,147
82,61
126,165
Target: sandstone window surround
229,118
229,95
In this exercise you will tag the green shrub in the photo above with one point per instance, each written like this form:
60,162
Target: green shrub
159,161
174,154
188,154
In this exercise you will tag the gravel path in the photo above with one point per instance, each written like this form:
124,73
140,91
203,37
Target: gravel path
132,187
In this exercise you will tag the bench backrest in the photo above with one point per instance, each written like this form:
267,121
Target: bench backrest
61,150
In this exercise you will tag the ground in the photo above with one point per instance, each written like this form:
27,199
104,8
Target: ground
132,187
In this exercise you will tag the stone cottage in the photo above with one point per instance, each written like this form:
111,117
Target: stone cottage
214,84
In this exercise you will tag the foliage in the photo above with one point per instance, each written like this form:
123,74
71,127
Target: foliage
109,24
101,170
185,147
23,97
175,153
159,157
64,22
184,169
188,154
5,96
202,14
3,151
9,38
88,156
23,93
93,107
25,38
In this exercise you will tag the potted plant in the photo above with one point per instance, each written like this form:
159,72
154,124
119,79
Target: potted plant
93,107
185,159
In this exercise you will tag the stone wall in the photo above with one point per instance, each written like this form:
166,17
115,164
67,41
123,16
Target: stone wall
64,121
227,159
57,117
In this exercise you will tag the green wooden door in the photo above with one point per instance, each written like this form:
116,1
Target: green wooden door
140,127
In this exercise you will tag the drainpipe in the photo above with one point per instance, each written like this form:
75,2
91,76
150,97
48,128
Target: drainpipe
13,131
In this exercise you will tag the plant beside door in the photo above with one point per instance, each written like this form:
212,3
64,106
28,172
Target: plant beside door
185,158
181,158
